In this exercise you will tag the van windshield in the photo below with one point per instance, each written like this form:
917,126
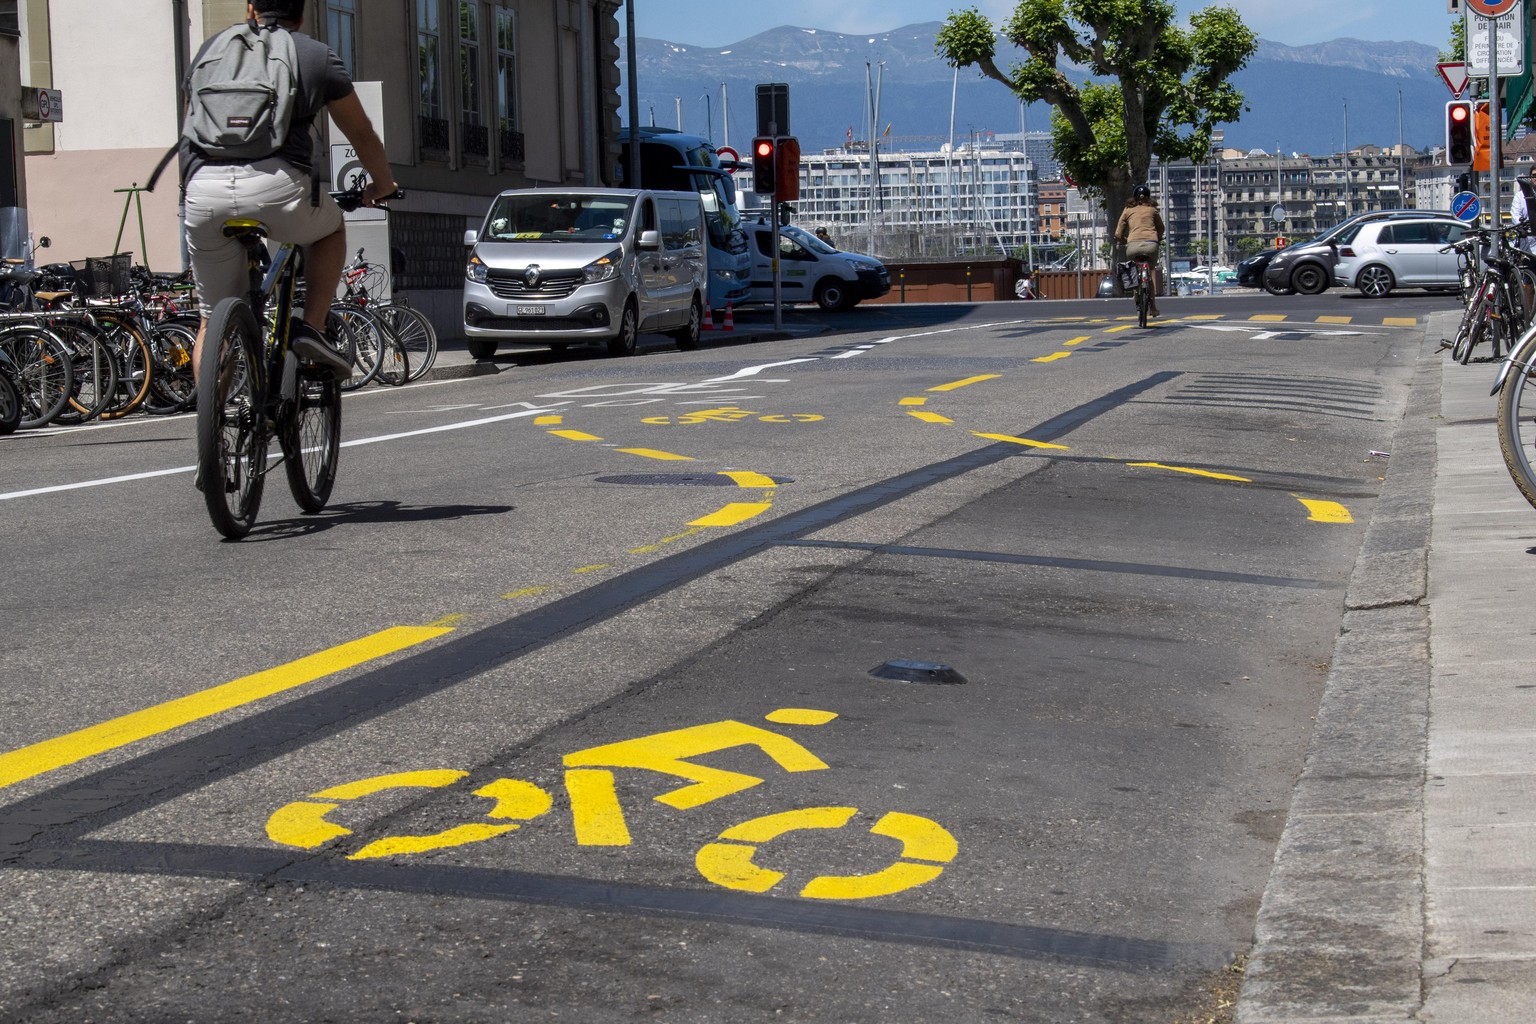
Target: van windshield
549,218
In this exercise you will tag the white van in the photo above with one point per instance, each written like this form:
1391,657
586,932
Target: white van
571,266
810,270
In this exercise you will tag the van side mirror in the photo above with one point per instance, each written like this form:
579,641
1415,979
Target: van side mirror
470,238
650,239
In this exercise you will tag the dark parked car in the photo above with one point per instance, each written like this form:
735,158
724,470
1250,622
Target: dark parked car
1250,272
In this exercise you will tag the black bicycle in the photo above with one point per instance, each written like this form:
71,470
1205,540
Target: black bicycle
251,388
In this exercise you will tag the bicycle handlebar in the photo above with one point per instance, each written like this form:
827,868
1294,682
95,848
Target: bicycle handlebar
352,198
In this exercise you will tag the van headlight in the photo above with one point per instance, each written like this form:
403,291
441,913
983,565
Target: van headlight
605,269
476,271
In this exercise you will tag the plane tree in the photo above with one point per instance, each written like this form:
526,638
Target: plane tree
1152,86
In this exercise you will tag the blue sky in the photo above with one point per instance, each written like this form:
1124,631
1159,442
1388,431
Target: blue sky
1295,22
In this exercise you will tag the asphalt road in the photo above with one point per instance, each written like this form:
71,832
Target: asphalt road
565,708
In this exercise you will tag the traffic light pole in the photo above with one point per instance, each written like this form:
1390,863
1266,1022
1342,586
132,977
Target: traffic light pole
778,286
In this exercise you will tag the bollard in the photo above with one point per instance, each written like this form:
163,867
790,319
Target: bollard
967,284
730,318
903,276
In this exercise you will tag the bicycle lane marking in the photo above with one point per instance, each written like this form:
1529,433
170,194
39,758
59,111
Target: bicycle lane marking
71,748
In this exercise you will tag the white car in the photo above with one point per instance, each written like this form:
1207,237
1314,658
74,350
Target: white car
1378,256
810,270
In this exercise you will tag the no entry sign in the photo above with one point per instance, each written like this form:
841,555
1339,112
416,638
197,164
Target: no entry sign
1491,8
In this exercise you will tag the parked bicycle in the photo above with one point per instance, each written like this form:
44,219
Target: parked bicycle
365,282
251,388
1496,310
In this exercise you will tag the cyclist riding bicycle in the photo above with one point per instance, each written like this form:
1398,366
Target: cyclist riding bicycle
1141,229
278,189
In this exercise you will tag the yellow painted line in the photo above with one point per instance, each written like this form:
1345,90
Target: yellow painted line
548,421
1272,318
448,621
735,512
1191,472
1335,319
1078,341
1050,358
1400,321
1117,330
599,567
744,478
1206,316
928,417
575,435
914,401
646,549
955,385
652,453
1020,440
1326,511
525,592
49,755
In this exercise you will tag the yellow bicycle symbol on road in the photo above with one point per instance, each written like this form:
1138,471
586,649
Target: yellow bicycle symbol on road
598,819
730,414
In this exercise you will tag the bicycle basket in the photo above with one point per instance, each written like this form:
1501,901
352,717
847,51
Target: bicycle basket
1127,275
107,276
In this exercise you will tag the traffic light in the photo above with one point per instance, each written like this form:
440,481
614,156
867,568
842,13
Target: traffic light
763,154
1458,132
1482,151
786,164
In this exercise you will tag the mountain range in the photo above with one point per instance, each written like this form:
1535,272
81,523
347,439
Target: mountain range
1302,99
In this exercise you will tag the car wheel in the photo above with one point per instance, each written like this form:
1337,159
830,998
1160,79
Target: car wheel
623,343
480,348
832,295
688,338
1309,279
1375,281
1275,289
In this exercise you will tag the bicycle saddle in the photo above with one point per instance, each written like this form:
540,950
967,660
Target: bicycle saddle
244,228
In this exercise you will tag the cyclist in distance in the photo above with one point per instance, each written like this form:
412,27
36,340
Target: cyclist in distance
279,189
1141,229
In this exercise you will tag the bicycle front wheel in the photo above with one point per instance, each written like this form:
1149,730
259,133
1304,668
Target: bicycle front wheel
10,404
231,425
416,334
311,440
1143,303
1517,418
363,337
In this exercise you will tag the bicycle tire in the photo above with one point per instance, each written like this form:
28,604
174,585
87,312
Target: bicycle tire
135,367
94,367
10,404
1519,390
1142,303
363,337
311,440
44,372
231,425
417,336
172,385
394,362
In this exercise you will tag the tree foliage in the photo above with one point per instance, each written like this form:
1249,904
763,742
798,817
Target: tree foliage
1167,85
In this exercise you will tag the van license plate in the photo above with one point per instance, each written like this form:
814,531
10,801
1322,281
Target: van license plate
530,310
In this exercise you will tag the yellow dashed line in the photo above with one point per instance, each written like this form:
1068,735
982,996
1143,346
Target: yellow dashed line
735,512
593,568
1206,316
745,478
647,549
1400,321
1078,341
49,755
1272,318
1051,358
1020,440
575,435
651,453
914,401
1192,472
447,621
1335,319
1122,327
968,381
928,417
547,421
525,592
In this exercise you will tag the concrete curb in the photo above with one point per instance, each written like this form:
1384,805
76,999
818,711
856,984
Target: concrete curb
1340,932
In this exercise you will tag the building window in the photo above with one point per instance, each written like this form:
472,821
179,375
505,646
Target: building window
341,31
506,85
434,127
475,136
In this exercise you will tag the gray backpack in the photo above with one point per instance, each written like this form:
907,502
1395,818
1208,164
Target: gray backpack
242,93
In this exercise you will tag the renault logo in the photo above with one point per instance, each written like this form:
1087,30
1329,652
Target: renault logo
531,276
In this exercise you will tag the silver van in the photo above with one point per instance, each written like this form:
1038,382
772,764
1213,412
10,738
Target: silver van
563,266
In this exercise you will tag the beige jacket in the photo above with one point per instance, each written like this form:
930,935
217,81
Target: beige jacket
1140,224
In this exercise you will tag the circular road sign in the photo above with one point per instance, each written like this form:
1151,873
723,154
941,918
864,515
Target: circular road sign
44,104
727,153
1491,8
1466,206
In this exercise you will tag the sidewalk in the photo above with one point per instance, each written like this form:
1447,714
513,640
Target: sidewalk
1404,887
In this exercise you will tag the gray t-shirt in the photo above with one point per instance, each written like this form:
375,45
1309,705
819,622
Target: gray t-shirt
323,79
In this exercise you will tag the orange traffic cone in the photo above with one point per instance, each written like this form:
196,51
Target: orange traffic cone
709,320
730,318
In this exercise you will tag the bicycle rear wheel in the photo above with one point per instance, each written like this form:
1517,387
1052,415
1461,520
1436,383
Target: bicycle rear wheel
172,387
231,425
364,337
1517,418
10,404
416,333
95,372
311,440
1474,323
135,362
45,375
1143,302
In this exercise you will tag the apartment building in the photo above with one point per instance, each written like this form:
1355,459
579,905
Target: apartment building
478,96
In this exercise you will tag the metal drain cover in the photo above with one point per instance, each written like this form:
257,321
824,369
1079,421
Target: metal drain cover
907,671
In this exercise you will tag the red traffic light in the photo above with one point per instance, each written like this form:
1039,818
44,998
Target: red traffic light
765,148
1459,112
